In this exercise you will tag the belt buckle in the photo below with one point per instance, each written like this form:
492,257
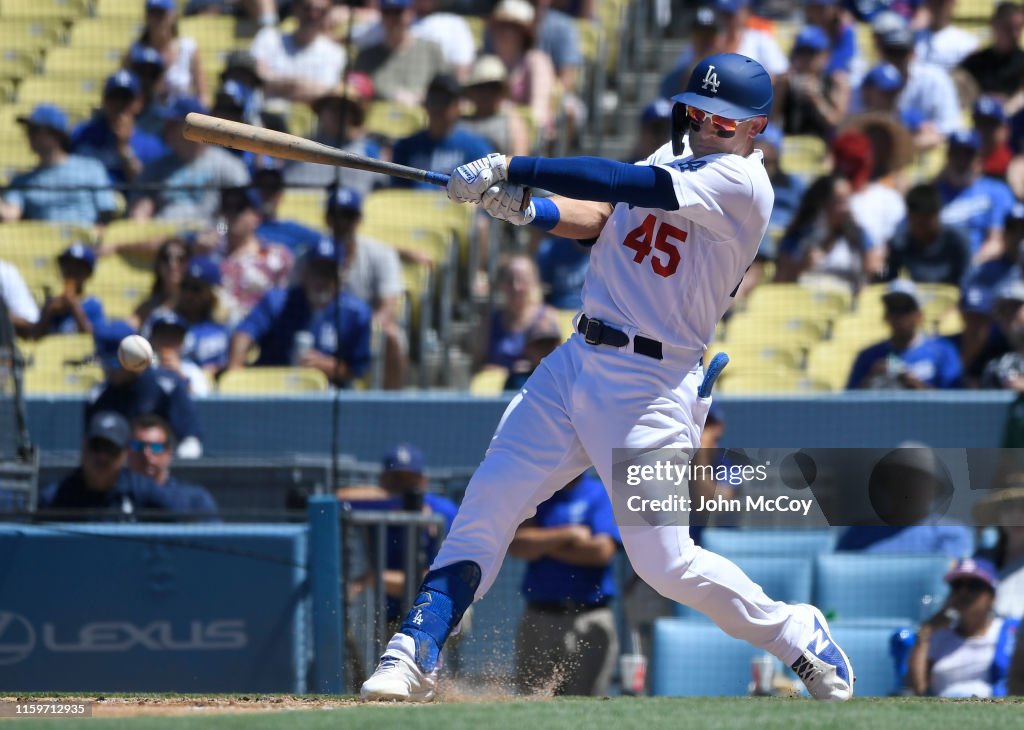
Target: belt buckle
592,332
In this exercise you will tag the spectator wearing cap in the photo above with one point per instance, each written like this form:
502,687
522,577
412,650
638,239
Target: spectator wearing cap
542,337
286,320
71,311
250,266
151,452
998,69
148,67
102,483
705,38
442,146
207,341
843,55
189,178
166,331
928,250
154,390
373,274
401,65
941,42
242,68
567,633
112,136
876,206
1007,370
976,203
929,97
990,123
233,102
302,65
880,90
402,486
493,116
340,122
183,67
965,649
512,37
824,240
739,37
808,100
909,359
16,301
63,186
268,179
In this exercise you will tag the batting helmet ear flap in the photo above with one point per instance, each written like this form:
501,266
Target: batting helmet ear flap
679,126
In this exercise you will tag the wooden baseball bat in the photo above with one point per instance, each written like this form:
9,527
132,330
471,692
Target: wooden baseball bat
239,136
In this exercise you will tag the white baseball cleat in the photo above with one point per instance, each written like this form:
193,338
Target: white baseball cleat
398,677
823,667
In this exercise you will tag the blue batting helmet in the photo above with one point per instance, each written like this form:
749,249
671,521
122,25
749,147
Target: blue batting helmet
726,84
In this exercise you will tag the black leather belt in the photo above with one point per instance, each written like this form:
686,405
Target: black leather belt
596,332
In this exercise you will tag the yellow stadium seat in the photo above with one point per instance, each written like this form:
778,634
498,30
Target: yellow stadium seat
830,362
131,231
782,329
757,356
436,244
795,298
77,96
393,121
63,9
303,205
489,382
769,381
119,9
40,238
65,381
120,285
803,155
566,321
57,352
96,62
417,209
16,64
950,324
301,120
211,32
973,10
113,32
860,330
272,380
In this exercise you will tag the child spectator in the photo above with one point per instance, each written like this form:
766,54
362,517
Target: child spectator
71,311
166,331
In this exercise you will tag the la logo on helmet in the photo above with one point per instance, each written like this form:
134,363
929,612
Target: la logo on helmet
711,80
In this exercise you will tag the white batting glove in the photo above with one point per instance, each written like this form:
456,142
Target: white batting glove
504,201
469,182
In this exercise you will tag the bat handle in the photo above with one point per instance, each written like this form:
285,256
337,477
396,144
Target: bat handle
436,178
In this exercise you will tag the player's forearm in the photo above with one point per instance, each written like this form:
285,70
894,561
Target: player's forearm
594,552
597,179
580,219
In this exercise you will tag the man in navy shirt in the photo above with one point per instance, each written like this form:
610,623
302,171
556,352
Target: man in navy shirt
112,136
71,311
440,147
152,449
154,390
932,252
567,633
101,482
909,359
314,325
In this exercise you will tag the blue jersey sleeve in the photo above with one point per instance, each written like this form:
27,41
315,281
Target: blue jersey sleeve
261,318
1002,201
950,371
93,309
597,179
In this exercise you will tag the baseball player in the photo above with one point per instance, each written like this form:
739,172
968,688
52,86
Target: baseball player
674,235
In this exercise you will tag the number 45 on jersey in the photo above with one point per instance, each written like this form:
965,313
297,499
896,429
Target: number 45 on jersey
665,238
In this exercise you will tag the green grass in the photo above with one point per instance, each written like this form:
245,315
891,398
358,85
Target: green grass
616,714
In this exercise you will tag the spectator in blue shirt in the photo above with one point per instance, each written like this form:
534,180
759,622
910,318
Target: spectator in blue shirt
102,483
112,136
567,632
166,331
972,201
71,311
207,341
829,16
152,450
909,359
313,325
563,264
154,390
440,147
147,64
63,187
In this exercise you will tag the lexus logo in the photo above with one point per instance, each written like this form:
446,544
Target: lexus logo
17,638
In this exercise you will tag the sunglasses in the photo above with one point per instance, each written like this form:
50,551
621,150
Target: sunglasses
723,126
156,447
971,584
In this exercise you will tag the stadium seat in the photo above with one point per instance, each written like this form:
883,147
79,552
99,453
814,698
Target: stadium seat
304,206
754,357
62,381
858,585
489,382
796,329
392,121
830,362
827,303
789,543
97,62
78,95
63,9
803,155
420,208
435,244
859,330
868,649
114,32
120,285
696,658
566,321
119,9
272,381
786,579
778,381
55,352
980,10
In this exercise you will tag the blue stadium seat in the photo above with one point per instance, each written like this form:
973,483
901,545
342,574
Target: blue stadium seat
696,658
804,543
783,578
868,649
856,586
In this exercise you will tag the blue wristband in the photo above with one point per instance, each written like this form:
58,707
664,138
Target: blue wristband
546,214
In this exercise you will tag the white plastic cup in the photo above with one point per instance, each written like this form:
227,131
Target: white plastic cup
762,669
633,668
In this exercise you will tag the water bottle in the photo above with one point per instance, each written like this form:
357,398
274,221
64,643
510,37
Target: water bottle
302,344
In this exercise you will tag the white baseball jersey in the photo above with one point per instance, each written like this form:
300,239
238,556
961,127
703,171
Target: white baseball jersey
671,274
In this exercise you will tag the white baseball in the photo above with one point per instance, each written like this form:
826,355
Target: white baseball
135,353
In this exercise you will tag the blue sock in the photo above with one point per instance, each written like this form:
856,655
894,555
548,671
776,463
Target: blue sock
444,596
